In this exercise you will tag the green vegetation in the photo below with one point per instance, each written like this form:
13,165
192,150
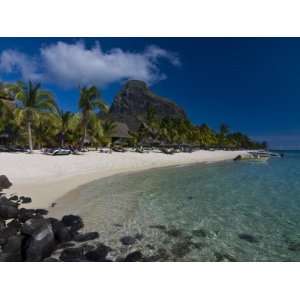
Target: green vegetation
179,131
30,117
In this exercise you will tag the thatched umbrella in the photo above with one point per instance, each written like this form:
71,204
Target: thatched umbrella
120,131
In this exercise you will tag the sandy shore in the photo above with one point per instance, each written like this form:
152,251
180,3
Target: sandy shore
48,178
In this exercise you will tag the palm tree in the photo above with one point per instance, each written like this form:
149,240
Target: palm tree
108,127
89,101
45,130
224,131
65,119
32,101
5,107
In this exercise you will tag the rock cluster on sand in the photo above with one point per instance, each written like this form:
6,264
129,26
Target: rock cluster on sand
28,235
4,182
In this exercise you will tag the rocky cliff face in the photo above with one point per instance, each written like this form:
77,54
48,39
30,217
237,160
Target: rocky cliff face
132,102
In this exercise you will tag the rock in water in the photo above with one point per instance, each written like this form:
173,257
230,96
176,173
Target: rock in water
160,227
180,249
294,246
128,240
134,256
200,232
4,182
99,254
174,232
224,257
132,102
248,237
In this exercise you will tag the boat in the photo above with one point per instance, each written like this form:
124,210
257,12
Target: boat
269,154
252,156
256,156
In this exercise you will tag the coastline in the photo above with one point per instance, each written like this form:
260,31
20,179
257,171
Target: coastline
46,179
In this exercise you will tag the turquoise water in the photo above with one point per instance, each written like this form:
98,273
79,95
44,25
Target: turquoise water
239,211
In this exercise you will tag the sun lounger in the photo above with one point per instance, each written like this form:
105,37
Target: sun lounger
57,151
118,149
168,150
105,150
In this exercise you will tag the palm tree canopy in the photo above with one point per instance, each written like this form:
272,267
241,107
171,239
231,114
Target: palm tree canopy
64,118
32,99
90,99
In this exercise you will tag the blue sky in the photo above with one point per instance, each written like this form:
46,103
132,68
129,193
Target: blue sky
252,84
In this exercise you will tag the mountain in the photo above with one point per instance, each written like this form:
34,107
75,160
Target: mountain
133,101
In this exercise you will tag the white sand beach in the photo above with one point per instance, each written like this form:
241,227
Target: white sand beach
47,178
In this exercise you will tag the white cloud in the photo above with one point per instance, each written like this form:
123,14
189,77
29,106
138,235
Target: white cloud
71,65
12,61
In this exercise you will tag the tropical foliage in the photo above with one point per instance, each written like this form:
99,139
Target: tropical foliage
89,101
31,118
179,131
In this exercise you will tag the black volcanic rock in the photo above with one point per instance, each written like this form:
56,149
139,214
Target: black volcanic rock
74,222
4,182
61,233
12,250
132,102
8,209
99,254
134,256
72,254
248,237
127,240
40,241
84,237
26,214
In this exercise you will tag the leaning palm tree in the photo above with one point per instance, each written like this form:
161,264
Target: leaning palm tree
89,101
32,100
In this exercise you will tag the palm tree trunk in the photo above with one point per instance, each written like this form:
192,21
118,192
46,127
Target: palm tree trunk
84,135
62,142
29,136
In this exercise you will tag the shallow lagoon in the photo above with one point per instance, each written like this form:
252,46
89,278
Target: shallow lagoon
218,212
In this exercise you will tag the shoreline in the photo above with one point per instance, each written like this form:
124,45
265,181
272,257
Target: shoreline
47,179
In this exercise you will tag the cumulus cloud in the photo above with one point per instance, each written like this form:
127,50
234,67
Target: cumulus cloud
71,65
16,62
